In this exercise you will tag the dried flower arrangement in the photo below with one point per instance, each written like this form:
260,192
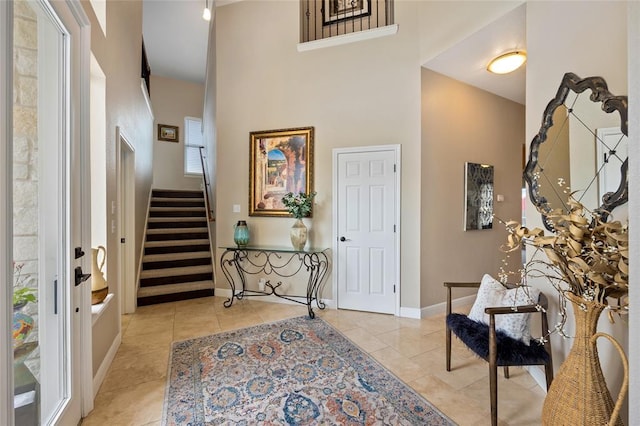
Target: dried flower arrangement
586,257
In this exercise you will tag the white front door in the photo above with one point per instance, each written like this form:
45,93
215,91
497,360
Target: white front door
49,185
366,201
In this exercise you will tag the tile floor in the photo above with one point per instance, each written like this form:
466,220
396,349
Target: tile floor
133,391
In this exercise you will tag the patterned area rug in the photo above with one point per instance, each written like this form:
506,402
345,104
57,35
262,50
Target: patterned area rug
298,371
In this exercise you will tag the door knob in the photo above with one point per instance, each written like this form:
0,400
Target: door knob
80,277
343,239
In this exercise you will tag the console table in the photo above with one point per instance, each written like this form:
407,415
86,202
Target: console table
281,261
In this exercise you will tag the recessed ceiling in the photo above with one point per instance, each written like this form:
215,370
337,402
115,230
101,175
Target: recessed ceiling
175,38
467,61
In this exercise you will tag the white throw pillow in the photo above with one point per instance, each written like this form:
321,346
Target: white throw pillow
493,294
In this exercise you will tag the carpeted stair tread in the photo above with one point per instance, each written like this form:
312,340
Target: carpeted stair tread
174,288
195,196
186,209
174,193
176,242
178,204
170,199
174,297
177,236
179,263
171,212
177,222
172,272
176,219
174,279
176,249
176,230
175,256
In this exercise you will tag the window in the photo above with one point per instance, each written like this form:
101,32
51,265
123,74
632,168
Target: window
192,144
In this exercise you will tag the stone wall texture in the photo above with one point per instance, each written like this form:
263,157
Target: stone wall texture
25,159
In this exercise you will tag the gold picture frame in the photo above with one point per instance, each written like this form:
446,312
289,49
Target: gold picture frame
280,161
168,133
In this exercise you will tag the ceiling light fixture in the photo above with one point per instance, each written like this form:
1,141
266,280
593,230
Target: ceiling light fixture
507,62
206,13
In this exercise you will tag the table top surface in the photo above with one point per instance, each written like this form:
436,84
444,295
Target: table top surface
278,249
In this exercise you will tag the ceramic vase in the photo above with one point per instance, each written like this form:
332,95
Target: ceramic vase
99,286
578,394
298,235
241,234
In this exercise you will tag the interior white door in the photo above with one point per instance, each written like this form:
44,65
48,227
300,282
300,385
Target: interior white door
367,245
126,181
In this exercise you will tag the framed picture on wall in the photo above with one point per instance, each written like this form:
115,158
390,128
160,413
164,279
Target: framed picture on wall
280,161
339,10
168,133
478,193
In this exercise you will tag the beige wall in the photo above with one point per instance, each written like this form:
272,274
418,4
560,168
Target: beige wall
462,123
119,57
264,83
556,45
172,101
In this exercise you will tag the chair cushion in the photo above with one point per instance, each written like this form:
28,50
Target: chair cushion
493,294
510,351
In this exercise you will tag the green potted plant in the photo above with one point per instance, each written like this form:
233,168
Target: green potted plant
22,294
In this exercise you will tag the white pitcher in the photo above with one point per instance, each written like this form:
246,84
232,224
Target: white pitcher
97,276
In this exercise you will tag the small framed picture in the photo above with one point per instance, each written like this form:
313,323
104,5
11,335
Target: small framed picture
168,133
340,10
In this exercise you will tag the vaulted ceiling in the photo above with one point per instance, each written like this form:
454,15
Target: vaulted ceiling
176,42
467,60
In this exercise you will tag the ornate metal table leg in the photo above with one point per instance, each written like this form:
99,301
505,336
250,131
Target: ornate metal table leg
238,257
225,265
316,264
323,266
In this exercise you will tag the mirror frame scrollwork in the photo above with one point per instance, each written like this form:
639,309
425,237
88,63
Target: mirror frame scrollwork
610,103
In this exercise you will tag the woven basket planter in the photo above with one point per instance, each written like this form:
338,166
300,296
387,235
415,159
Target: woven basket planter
578,394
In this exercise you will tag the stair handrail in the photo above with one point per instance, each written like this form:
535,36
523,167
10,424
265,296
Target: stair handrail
207,184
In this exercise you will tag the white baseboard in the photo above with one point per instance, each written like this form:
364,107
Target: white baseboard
405,312
537,372
226,292
409,312
106,363
441,308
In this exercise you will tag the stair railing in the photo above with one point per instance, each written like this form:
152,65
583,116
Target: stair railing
208,194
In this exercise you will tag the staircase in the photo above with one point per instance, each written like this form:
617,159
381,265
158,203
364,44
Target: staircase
177,255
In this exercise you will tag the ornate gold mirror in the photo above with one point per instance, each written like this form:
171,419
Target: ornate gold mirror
581,148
